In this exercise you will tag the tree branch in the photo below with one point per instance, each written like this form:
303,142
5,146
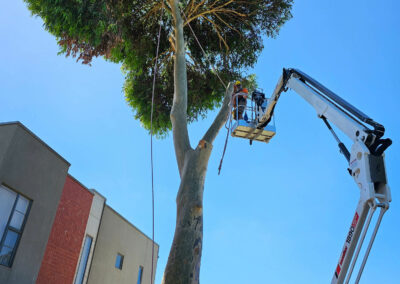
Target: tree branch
215,11
221,118
217,30
193,10
179,106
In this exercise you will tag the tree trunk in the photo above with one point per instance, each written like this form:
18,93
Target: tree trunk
183,266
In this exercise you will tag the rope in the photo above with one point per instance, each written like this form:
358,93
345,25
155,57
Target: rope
226,140
205,54
151,146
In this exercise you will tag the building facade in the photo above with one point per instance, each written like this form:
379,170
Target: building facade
55,230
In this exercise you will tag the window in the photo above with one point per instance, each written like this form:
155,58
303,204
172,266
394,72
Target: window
140,275
83,261
119,261
13,211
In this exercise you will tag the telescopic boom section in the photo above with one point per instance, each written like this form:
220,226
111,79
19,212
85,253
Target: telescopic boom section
366,161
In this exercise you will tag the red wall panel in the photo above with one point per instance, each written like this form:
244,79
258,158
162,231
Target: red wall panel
66,237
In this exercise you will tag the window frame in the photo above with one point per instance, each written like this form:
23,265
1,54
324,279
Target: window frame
140,274
121,264
8,227
77,281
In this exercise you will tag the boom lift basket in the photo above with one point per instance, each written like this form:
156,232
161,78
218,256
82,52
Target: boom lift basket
252,112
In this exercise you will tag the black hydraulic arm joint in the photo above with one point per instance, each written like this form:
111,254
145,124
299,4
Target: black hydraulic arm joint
344,151
380,146
342,147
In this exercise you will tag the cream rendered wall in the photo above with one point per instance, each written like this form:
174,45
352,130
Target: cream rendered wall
92,229
117,235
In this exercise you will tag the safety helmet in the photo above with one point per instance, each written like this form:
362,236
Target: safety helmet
237,83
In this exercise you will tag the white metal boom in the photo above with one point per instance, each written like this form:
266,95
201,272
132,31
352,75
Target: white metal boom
366,160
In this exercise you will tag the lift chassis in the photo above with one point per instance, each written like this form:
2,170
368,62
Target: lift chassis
365,159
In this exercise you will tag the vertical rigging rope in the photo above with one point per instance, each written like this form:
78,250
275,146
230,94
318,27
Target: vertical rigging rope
151,145
226,139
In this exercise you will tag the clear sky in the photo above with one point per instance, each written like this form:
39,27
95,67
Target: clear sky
279,212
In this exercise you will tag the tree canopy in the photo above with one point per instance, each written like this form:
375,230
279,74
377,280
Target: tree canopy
125,31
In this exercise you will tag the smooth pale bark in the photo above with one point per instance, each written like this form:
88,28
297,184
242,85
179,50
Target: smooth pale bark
179,104
183,266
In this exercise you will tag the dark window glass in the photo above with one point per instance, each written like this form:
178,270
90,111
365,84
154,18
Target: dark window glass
5,255
140,275
84,259
22,205
17,220
10,239
7,201
13,212
119,261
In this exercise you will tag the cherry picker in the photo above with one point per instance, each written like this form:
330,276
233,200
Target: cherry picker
365,158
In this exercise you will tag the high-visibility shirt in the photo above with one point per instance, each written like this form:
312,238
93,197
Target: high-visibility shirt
239,95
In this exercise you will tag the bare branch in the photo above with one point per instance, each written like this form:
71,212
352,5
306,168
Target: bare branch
196,7
214,11
217,29
154,10
229,26
172,42
217,12
221,118
189,7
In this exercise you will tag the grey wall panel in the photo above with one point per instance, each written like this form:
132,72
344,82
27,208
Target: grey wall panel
34,170
6,134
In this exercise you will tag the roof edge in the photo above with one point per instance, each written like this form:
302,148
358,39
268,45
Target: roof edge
18,123
126,220
98,193
78,182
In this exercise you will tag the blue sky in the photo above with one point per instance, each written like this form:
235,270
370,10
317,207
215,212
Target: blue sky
279,212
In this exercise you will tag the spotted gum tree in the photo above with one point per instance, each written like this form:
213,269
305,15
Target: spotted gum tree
125,32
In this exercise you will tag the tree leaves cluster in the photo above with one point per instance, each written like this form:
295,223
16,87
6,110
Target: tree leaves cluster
125,31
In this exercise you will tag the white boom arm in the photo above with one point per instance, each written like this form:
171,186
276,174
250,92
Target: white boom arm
366,161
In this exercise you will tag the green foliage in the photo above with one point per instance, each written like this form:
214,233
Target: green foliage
125,31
